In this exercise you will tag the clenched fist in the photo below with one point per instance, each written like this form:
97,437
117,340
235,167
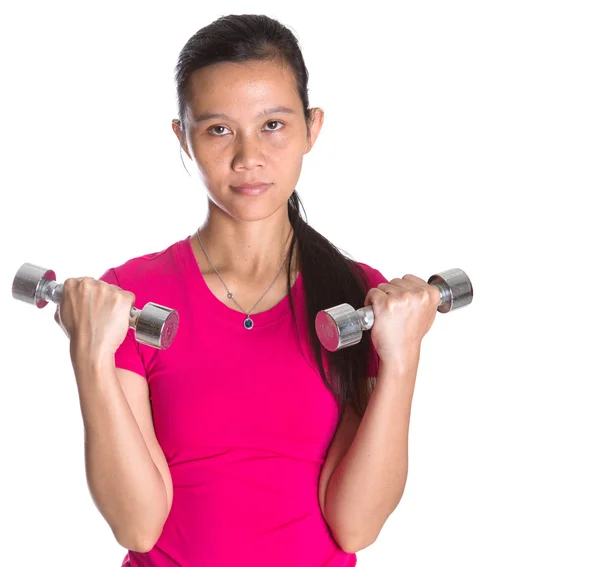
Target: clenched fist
94,315
404,311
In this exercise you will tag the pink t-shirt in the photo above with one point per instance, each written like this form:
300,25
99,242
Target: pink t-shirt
244,421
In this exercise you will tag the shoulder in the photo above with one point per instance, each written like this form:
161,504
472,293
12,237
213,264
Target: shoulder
374,277
150,267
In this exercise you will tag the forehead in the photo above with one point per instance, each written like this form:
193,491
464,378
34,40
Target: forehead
251,84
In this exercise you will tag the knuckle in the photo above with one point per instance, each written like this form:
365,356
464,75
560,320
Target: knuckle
127,296
83,286
87,281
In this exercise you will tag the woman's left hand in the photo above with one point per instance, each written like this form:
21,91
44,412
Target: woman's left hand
404,311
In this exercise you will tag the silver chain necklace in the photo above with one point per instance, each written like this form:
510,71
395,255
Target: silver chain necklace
248,323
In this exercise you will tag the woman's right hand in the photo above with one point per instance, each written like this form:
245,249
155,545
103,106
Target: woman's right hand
94,315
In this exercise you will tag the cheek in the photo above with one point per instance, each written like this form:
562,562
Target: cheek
287,150
281,142
211,158
291,143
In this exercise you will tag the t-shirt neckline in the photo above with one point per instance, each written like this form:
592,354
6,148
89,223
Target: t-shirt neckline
186,255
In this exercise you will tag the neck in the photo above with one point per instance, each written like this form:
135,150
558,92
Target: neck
250,251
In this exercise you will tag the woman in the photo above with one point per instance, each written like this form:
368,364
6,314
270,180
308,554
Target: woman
220,450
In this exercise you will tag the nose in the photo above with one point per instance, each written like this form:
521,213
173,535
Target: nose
248,153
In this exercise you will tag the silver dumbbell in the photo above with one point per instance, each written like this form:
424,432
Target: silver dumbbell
342,326
154,325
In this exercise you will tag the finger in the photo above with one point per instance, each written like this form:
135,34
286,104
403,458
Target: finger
432,290
398,290
415,279
407,283
422,291
375,295
416,284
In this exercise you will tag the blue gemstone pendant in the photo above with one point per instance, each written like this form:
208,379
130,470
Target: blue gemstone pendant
248,323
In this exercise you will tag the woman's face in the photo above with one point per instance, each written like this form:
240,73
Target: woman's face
252,141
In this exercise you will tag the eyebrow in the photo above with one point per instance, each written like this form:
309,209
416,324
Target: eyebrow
221,116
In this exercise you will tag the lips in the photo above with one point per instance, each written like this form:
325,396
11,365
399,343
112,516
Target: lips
251,188
257,185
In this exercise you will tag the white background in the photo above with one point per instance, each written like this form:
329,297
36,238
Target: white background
456,134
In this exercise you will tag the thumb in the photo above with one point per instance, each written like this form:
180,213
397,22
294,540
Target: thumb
369,298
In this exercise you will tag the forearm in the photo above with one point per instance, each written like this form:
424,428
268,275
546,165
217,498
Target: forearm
124,482
369,481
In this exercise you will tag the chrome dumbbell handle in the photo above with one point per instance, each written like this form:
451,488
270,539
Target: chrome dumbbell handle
154,325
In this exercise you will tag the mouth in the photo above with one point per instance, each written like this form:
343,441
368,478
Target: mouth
251,189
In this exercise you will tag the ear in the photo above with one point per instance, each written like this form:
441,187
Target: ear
314,127
176,126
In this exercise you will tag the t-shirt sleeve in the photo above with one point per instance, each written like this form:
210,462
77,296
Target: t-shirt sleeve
376,277
127,356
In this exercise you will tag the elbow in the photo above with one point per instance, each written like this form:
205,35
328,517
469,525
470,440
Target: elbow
143,536
357,544
352,541
361,538
146,544
140,543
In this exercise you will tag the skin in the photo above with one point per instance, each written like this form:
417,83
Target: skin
246,237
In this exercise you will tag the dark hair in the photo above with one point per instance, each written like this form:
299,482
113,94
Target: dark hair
330,278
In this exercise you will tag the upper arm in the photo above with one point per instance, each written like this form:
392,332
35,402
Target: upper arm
136,391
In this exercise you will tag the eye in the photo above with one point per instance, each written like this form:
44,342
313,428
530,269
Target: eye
274,122
269,122
212,127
